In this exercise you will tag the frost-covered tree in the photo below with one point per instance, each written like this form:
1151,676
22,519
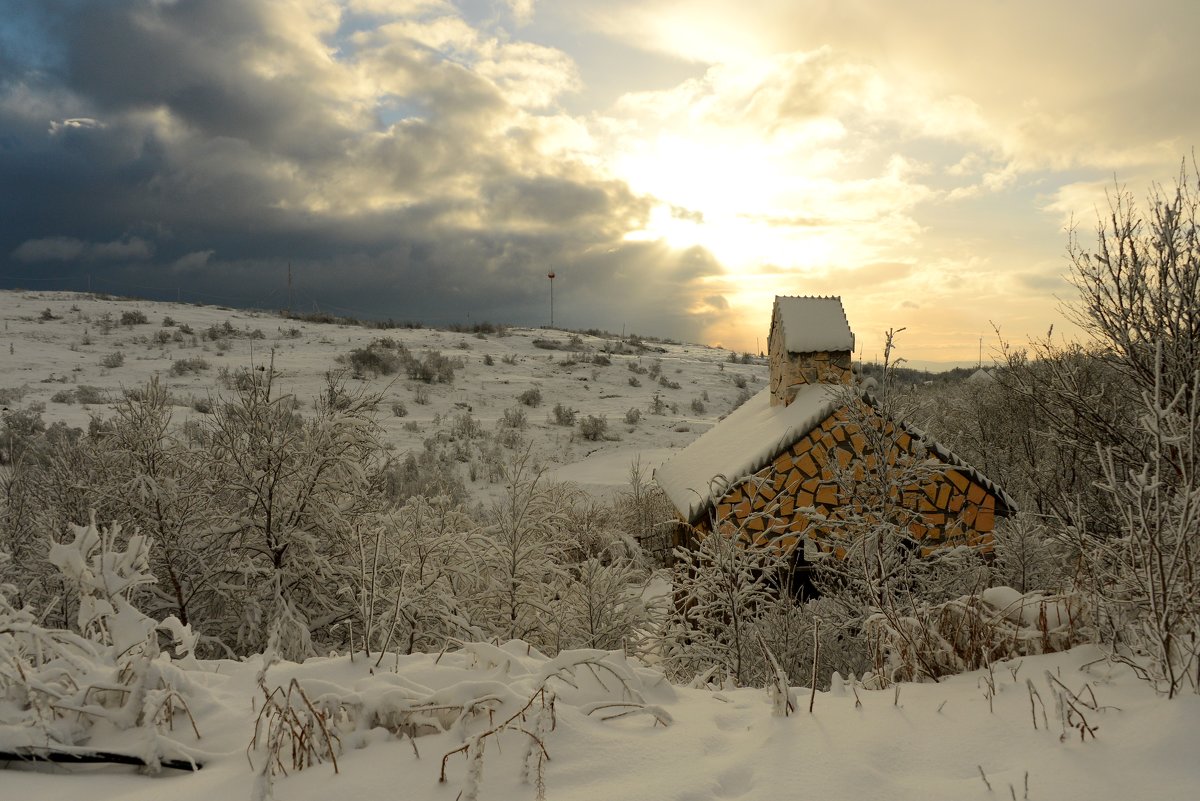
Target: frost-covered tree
292,490
723,586
522,553
152,480
1139,291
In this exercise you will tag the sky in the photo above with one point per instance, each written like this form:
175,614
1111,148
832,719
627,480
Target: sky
675,163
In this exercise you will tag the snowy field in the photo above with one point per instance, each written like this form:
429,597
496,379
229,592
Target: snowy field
586,724
923,741
67,348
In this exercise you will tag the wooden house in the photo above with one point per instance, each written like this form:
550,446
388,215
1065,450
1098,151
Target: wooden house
793,464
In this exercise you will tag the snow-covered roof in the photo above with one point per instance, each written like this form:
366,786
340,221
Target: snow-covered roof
813,324
741,445
756,432
981,376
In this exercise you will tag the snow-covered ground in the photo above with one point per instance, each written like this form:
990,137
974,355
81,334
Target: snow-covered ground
920,742
1015,732
46,356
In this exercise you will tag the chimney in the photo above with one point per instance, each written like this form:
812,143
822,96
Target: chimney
810,343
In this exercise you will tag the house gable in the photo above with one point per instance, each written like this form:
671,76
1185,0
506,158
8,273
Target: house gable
785,464
802,492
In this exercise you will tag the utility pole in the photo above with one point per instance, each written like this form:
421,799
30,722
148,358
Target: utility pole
289,288
550,275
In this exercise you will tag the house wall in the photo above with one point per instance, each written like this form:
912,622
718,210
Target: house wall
944,509
789,370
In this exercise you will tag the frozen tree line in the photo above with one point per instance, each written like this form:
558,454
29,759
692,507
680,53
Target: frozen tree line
264,516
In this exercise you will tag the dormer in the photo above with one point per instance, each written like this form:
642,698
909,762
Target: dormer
810,343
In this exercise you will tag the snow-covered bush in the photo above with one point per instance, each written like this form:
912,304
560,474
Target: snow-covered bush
971,632
722,586
291,492
57,684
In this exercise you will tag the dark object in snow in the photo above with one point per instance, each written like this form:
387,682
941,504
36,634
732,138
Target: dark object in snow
32,754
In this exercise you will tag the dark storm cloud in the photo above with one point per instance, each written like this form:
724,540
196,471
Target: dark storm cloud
62,248
408,171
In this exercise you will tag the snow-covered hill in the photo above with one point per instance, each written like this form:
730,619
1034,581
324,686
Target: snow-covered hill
60,341
1059,726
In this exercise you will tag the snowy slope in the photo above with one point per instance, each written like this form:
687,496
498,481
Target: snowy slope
931,741
47,356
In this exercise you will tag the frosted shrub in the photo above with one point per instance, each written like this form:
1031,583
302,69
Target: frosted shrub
722,587
522,553
594,428
1146,581
531,397
1027,556
600,606
293,490
434,368
58,684
514,418
563,415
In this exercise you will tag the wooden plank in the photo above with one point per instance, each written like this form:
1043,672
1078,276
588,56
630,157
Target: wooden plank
807,465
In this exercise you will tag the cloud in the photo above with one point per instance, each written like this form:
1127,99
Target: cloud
521,10
410,159
76,123
1044,85
65,248
405,161
195,260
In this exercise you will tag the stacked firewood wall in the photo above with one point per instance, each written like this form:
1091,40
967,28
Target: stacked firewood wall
799,495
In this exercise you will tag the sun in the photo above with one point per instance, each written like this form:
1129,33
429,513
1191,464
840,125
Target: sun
740,199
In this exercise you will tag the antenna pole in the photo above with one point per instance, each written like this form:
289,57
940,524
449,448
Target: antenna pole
550,275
